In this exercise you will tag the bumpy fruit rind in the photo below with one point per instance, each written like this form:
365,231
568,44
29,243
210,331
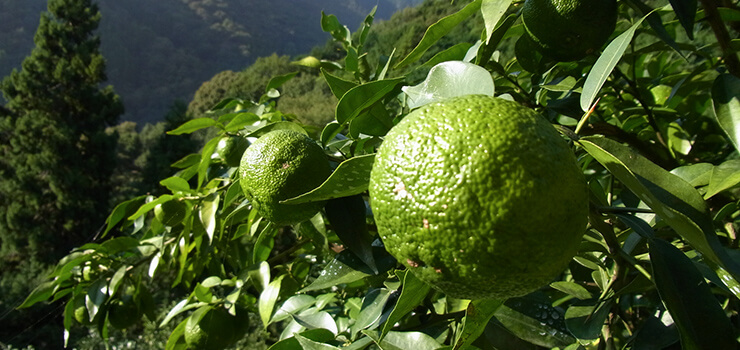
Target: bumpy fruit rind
480,197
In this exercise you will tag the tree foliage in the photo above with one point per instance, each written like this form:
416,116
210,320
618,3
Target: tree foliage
652,118
56,158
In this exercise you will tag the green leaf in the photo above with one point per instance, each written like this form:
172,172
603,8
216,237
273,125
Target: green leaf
176,184
438,30
122,211
264,244
347,217
723,177
533,319
293,305
193,125
450,79
350,178
371,312
375,121
317,320
360,98
477,315
309,344
605,64
149,206
673,199
267,300
403,340
42,292
331,25
585,319
337,85
685,11
277,126
413,292
279,80
572,289
454,53
701,321
697,174
492,11
176,341
240,121
187,161
726,103
207,213
318,335
347,268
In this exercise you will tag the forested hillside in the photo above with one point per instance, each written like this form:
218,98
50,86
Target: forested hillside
160,51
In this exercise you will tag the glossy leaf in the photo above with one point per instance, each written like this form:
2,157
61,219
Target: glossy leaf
350,178
293,305
450,79
723,177
673,199
279,80
193,125
438,30
726,103
697,174
267,300
347,268
533,319
208,209
360,98
372,310
42,292
318,320
337,85
292,343
175,184
605,64
685,11
121,211
309,344
701,321
477,315
456,52
585,319
347,217
492,11
573,289
413,293
404,340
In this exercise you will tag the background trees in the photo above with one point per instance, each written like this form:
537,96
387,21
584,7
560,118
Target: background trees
55,157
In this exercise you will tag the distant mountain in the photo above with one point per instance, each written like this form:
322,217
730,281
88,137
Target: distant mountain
160,51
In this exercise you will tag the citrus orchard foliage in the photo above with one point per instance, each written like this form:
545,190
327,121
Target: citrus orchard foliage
651,117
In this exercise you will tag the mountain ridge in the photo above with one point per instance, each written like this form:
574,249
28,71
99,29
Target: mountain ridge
160,52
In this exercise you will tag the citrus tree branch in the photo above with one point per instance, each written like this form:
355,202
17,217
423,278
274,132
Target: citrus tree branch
722,35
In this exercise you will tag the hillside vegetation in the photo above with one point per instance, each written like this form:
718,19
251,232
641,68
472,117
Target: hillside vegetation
160,51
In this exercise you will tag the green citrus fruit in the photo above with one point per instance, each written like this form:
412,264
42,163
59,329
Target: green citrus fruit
479,196
568,30
216,330
124,311
280,165
80,312
230,149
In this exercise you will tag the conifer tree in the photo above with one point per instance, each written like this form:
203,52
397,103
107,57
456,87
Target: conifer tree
55,157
